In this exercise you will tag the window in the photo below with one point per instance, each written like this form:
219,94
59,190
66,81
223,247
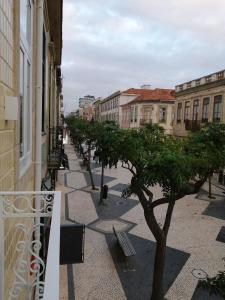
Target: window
179,108
162,114
187,110
135,113
195,110
25,124
205,110
217,108
25,19
21,102
131,114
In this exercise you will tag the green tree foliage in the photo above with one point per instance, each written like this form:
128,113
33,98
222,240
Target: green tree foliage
107,146
214,285
84,133
207,146
154,158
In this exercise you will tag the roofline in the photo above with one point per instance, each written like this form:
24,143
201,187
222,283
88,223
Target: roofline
136,101
111,96
195,79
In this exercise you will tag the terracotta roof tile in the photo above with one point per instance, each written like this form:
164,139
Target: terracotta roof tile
151,95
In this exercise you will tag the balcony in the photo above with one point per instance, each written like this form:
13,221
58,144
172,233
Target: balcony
30,245
145,121
192,125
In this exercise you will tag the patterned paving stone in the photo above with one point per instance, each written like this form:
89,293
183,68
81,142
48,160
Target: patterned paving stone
106,226
75,180
192,242
115,206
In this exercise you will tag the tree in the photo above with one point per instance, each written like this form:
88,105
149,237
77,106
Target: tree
208,146
153,158
91,133
214,285
84,132
106,149
76,127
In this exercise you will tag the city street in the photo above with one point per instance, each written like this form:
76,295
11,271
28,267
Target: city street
193,250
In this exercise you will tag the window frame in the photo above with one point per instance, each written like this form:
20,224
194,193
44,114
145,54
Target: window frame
162,120
195,112
205,112
217,104
25,157
179,112
187,109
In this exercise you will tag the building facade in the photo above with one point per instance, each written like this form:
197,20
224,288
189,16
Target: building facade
30,102
97,109
198,102
111,106
153,106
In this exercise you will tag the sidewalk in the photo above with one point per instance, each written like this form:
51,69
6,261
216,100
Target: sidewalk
192,245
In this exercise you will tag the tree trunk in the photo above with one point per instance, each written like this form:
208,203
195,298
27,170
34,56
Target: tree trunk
102,184
210,187
157,286
89,169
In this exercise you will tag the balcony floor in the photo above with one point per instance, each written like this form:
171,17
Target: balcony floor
105,274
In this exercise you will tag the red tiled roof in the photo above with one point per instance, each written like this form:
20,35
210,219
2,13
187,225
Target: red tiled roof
151,95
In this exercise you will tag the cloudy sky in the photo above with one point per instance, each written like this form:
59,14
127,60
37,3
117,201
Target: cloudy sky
111,45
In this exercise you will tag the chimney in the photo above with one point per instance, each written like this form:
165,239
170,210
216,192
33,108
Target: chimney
146,86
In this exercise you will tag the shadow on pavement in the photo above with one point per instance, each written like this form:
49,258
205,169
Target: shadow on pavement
136,273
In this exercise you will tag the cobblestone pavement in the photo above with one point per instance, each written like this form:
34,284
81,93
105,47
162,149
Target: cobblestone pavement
194,247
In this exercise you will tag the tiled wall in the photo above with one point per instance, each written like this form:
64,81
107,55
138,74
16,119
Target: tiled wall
7,128
6,42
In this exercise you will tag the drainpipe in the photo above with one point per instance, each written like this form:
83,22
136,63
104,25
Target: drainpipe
39,46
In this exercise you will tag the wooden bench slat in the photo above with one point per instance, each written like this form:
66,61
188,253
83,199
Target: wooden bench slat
124,242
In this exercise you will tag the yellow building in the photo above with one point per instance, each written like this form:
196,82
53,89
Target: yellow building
199,101
30,105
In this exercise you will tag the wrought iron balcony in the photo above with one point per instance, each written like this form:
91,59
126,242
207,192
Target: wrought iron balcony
29,245
145,121
56,137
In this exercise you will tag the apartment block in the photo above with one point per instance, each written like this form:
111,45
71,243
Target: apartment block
30,105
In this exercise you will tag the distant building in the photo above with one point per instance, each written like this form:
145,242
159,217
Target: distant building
111,106
85,107
86,100
199,101
97,109
149,106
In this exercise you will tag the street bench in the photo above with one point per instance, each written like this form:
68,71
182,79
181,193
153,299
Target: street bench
124,242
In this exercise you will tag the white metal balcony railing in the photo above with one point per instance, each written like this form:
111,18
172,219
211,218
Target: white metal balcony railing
25,272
